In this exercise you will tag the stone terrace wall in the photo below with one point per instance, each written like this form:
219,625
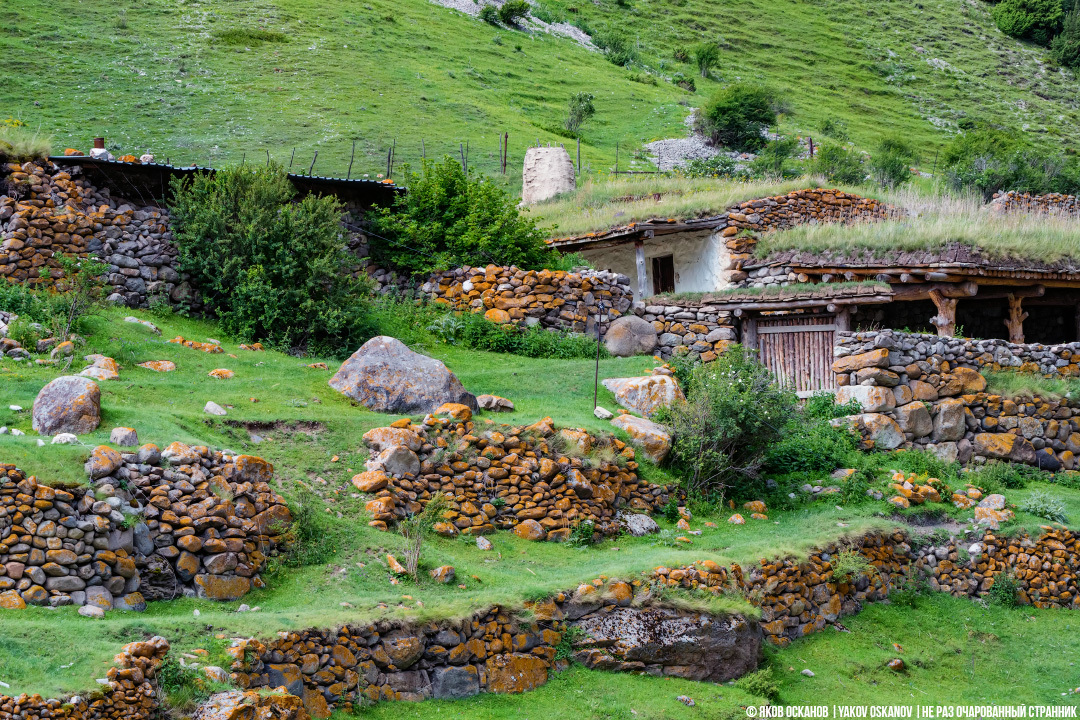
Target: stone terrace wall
687,328
129,693
1052,203
896,376
45,212
533,479
549,298
208,523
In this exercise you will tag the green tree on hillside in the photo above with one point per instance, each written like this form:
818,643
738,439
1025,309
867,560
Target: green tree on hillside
1035,20
449,219
580,110
738,115
706,55
1065,48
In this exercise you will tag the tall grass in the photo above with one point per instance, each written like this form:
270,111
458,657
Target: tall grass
19,144
935,220
1027,386
603,203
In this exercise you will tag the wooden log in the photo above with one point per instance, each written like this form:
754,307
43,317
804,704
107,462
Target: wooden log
1015,321
923,292
642,279
945,320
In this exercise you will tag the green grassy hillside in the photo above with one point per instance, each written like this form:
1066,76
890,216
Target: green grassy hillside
168,76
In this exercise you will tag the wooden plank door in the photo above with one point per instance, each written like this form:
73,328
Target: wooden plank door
798,349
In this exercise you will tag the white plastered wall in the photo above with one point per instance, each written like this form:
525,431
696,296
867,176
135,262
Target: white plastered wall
701,260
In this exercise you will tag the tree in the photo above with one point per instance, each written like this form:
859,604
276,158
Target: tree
839,164
1065,48
771,161
890,165
513,11
449,219
737,115
706,55
270,268
1035,20
580,110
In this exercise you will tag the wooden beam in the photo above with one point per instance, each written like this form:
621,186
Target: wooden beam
742,308
1015,321
642,278
924,291
945,320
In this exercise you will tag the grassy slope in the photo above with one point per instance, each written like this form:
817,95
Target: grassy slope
34,644
153,75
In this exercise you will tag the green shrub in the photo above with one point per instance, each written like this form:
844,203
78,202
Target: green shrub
489,14
449,219
706,55
839,164
686,83
1065,48
309,541
737,115
1003,591
890,164
734,411
718,166
771,161
680,54
810,446
1035,20
823,406
836,129
513,11
848,565
996,476
583,535
565,649
671,510
269,268
760,684
579,111
1042,504
617,47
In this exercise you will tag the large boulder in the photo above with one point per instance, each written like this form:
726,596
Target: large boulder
645,395
69,404
692,645
249,704
386,376
630,335
883,430
546,172
653,438
872,398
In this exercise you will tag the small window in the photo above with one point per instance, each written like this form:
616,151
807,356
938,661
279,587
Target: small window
663,274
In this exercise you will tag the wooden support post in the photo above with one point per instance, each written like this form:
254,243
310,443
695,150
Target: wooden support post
642,279
945,320
1015,321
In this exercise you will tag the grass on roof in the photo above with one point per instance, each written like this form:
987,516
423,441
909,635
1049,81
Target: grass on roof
765,292
19,143
606,203
936,221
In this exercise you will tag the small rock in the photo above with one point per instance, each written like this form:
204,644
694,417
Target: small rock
244,607
92,611
896,665
602,413
686,700
443,574
195,613
16,432
14,408
483,543
124,437
808,672
65,439
212,408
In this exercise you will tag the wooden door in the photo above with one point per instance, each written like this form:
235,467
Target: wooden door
798,349
663,274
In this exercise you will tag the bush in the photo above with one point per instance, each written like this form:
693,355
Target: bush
823,406
836,129
680,54
269,268
449,219
1035,20
706,55
810,446
761,684
1042,504
579,111
848,565
718,166
737,115
997,476
991,159
489,14
618,48
1003,591
686,83
839,164
890,165
733,413
512,11
308,540
771,161
1065,48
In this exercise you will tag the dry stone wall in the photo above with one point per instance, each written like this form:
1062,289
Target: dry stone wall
687,328
926,391
1051,203
535,480
203,525
128,694
46,212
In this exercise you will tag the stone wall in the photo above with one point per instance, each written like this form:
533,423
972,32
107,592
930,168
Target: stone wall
550,298
688,328
203,525
46,212
128,693
1053,203
537,481
926,391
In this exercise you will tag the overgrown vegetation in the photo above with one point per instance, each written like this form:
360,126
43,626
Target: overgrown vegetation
579,111
1034,20
270,268
418,526
1042,504
989,159
738,115
449,219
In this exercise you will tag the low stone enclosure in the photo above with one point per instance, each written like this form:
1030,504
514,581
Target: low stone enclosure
202,523
926,391
537,481
623,626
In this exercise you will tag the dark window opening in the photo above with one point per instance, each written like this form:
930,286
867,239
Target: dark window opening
663,274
